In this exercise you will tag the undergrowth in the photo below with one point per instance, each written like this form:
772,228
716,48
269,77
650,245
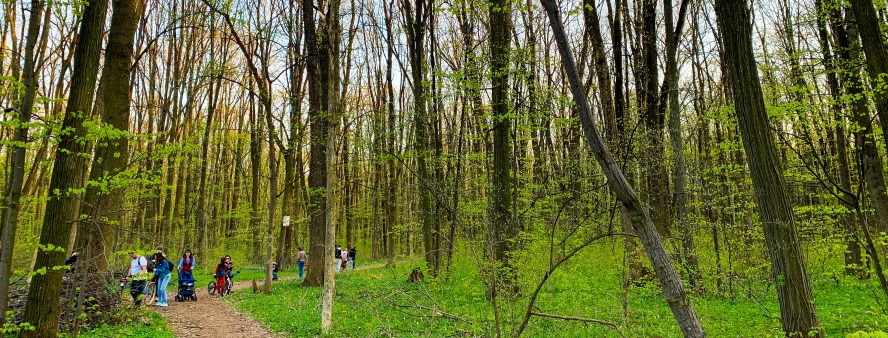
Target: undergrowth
381,302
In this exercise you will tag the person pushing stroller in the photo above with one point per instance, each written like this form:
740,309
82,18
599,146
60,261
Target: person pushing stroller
186,277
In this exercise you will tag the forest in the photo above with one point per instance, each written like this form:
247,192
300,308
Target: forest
575,168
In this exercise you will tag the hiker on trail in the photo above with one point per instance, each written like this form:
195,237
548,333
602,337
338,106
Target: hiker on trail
187,262
351,256
139,273
338,255
162,270
344,263
301,257
274,271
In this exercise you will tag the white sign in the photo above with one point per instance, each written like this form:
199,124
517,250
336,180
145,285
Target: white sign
286,221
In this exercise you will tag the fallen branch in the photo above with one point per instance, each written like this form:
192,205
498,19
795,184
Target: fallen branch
579,319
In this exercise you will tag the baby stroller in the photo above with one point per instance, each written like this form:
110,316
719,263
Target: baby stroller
186,287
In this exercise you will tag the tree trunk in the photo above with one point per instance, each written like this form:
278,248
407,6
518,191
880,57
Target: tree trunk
680,198
255,165
502,230
105,209
870,163
329,240
16,178
869,28
321,40
853,257
671,284
200,218
42,309
788,264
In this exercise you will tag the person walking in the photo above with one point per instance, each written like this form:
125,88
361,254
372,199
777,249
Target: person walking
152,258
139,273
274,271
344,261
301,258
351,256
338,256
162,270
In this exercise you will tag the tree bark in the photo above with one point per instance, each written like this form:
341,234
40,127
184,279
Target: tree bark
787,261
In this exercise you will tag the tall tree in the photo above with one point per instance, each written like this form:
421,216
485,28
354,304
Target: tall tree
679,176
797,311
104,201
16,177
417,16
502,230
42,309
846,196
653,118
869,162
322,57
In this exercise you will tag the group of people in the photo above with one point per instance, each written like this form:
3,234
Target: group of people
346,257
158,268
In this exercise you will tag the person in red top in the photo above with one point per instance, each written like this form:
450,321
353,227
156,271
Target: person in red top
187,262
222,272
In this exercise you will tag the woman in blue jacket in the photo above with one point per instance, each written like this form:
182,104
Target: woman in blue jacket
162,270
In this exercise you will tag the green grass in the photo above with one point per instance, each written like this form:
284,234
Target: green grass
147,324
380,302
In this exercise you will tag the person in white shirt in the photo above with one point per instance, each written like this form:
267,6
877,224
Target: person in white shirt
139,273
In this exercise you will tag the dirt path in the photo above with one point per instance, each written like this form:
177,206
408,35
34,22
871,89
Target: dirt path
210,317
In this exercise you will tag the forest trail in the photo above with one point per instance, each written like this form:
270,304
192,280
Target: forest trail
210,317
